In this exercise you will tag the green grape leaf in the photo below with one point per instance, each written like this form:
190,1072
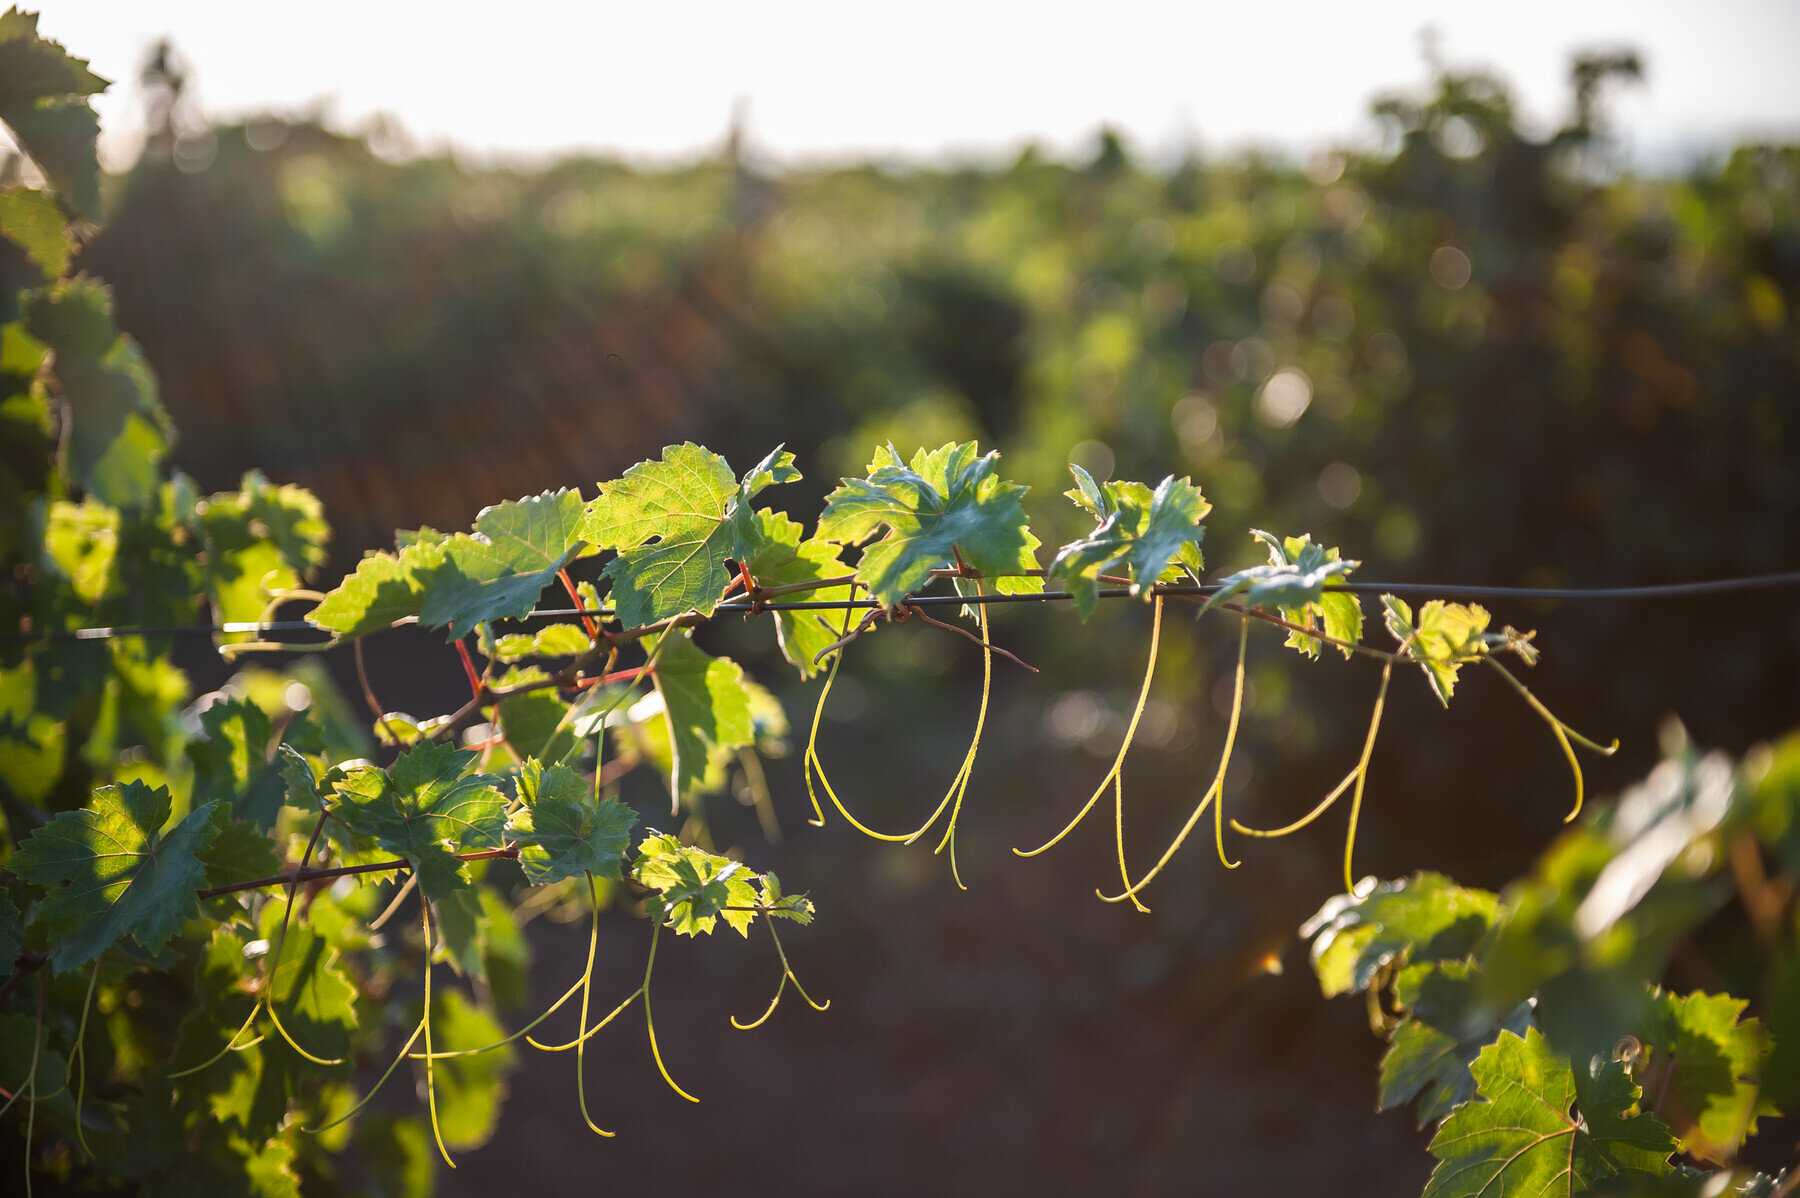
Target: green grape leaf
398,1155
1527,1139
59,134
674,523
707,704
1700,1075
231,761
534,724
240,851
780,558
112,872
1140,531
946,502
563,833
1432,1065
471,1089
796,907
32,67
80,542
500,570
1445,638
424,808
1424,917
1296,585
384,589
694,888
561,640
32,221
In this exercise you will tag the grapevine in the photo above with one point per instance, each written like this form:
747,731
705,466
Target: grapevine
277,868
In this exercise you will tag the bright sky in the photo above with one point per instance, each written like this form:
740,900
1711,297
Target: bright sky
841,79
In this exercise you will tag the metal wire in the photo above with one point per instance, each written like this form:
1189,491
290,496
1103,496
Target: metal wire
1679,590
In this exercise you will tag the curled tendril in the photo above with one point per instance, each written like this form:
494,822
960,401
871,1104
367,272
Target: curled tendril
787,975
1564,734
1214,796
1357,776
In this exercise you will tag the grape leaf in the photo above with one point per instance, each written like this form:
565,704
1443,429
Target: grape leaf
1300,580
316,998
239,851
1701,1074
231,761
945,502
693,887
1430,1064
501,569
121,874
1445,637
707,704
780,558
1527,1140
384,589
59,133
1139,531
1426,916
424,809
33,222
561,832
33,67
796,907
674,523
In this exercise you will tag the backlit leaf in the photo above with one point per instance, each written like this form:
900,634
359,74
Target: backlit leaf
504,565
384,589
424,809
694,888
1445,637
707,704
1141,532
780,558
674,523
943,503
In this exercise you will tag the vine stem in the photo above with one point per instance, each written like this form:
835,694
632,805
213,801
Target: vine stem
1563,733
650,1020
787,975
430,1059
344,871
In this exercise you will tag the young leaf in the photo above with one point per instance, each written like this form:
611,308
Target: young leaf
501,569
1528,1139
674,523
706,702
694,887
424,809
1446,636
113,872
1295,581
1700,1076
1139,531
384,589
945,502
561,832
1426,916
780,558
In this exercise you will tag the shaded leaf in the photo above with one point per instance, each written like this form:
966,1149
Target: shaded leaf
1528,1140
425,809
112,872
1430,1064
779,558
33,222
562,832
1701,1070
706,702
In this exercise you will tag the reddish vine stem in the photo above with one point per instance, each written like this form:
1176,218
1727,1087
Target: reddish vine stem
948,627
23,964
368,692
468,665
343,871
587,621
